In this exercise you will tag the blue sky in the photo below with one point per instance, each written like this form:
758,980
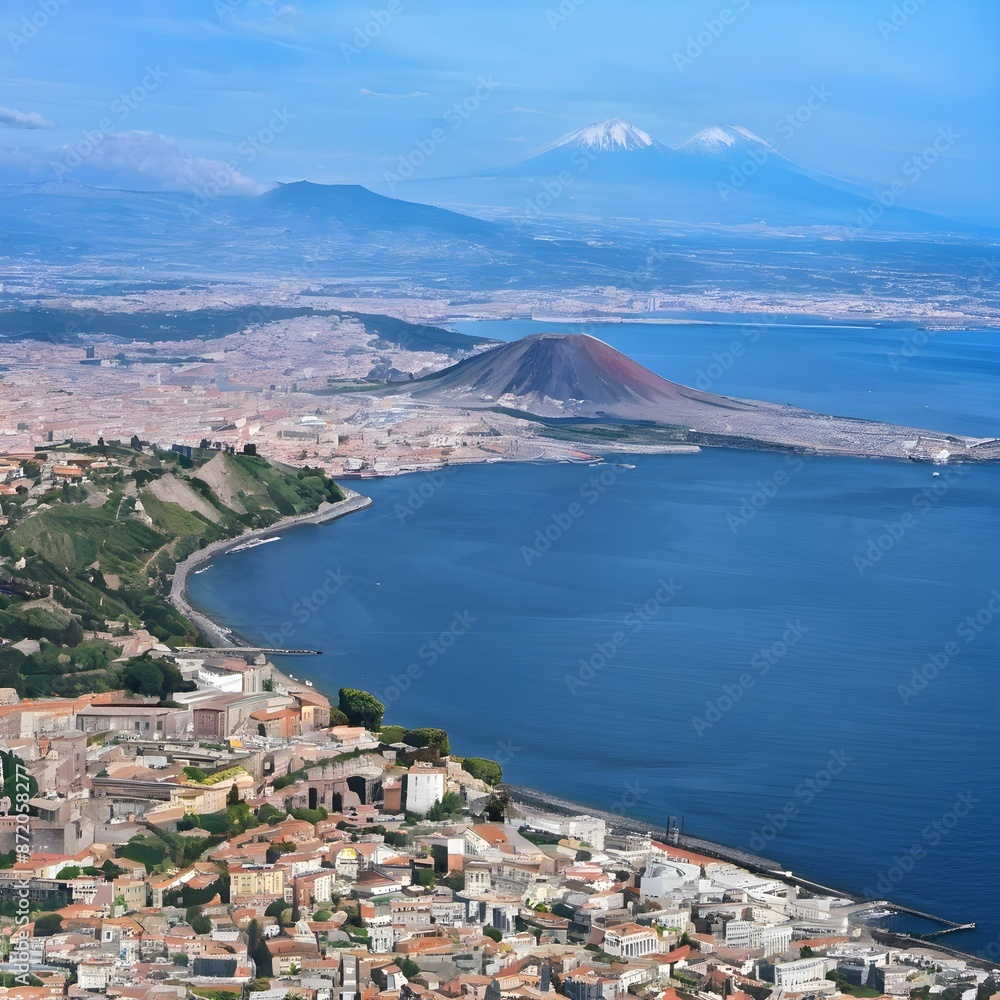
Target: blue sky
338,91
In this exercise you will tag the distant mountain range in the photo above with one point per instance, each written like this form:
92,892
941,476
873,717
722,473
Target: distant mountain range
724,175
576,379
349,239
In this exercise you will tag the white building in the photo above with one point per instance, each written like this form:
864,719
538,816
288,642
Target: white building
751,936
805,970
664,877
425,785
630,941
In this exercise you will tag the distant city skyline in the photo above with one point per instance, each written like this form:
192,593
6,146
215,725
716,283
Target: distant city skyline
283,91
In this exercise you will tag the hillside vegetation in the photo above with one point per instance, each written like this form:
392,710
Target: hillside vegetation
97,557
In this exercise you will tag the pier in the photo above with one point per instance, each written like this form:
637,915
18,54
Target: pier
948,926
245,651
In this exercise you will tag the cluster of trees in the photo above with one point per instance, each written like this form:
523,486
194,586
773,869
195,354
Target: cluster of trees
483,769
21,620
152,676
56,670
361,708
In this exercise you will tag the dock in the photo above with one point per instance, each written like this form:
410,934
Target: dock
245,651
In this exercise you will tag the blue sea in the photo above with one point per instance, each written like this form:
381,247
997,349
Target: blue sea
800,657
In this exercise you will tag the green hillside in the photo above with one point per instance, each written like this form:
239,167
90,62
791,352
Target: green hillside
97,556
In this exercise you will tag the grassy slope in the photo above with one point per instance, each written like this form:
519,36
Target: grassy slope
114,562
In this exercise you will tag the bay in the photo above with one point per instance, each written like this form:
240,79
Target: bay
728,636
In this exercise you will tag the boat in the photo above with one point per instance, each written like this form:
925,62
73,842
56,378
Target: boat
623,465
204,569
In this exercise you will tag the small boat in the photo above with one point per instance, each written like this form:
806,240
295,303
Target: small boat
204,569
624,465
935,474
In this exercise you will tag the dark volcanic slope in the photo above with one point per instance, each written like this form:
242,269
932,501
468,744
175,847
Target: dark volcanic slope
560,375
574,375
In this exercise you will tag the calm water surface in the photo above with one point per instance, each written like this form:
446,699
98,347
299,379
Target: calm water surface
729,636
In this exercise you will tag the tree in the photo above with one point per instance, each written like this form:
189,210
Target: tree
484,769
250,449
362,708
427,737
806,952
493,932
233,796
142,676
424,877
135,444
179,958
48,924
450,805
201,925
72,634
70,871
408,967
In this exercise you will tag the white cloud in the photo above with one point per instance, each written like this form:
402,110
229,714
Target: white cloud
23,119
151,161
397,97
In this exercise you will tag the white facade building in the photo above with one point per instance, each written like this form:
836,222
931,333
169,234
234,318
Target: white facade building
425,785
746,934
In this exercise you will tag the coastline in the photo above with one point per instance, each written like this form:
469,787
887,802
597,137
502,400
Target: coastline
216,634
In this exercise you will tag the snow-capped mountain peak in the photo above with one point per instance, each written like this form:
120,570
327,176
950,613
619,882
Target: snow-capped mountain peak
723,142
609,136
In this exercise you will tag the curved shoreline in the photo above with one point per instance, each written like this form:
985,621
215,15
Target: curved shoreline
215,633
219,635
